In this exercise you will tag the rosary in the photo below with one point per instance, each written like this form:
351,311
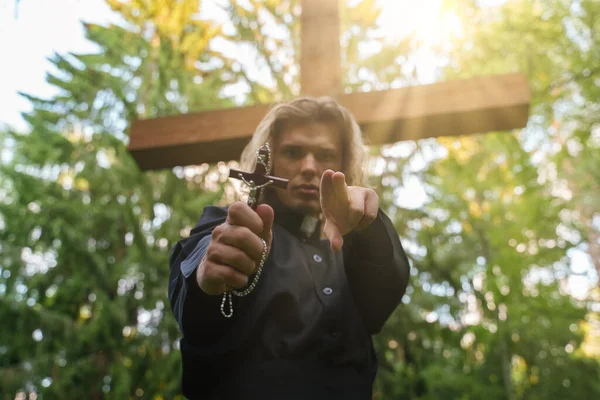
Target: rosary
256,181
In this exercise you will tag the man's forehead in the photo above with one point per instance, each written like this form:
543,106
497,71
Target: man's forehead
323,134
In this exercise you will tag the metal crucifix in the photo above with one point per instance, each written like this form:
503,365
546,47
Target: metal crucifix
260,178
257,180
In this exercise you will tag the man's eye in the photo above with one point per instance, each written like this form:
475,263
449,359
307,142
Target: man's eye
292,152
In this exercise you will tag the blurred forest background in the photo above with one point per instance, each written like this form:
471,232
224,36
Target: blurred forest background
497,307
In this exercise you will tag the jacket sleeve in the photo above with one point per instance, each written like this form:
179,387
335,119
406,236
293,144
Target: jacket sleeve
198,314
377,270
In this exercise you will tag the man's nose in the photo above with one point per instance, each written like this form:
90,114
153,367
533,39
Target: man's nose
309,165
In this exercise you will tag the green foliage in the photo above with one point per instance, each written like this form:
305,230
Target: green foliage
84,235
488,314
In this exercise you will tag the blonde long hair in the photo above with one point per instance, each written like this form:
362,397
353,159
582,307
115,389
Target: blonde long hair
308,110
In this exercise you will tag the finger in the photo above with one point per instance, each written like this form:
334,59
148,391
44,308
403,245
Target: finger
356,208
216,278
219,229
241,214
339,186
243,239
266,214
371,209
334,235
326,189
231,256
230,277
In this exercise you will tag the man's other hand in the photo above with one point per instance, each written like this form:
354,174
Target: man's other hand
345,208
236,248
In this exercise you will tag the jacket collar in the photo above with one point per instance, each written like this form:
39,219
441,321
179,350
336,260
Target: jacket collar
300,225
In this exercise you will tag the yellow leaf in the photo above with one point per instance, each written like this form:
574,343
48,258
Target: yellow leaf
82,184
474,209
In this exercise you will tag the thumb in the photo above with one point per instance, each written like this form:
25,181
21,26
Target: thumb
333,233
266,213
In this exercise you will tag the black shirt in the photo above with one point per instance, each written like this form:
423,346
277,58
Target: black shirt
305,331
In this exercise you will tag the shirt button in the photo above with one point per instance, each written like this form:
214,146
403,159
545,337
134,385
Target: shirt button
328,291
317,258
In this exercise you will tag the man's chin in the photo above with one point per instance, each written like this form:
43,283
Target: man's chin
308,208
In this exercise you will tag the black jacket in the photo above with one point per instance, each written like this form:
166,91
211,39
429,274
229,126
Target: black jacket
305,331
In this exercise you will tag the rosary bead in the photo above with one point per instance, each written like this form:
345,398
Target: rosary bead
227,296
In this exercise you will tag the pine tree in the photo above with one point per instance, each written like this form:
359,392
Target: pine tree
488,313
85,235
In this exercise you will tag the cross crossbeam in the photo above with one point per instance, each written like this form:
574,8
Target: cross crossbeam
461,107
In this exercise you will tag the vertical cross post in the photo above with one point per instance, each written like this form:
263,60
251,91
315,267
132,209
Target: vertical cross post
476,105
320,56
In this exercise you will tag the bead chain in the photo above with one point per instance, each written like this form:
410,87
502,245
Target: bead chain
227,296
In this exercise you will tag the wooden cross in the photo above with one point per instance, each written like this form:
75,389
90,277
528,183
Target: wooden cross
260,178
451,108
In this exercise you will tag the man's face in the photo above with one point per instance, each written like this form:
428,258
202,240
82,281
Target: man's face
301,154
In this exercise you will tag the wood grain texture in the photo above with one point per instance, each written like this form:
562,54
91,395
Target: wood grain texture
477,105
320,59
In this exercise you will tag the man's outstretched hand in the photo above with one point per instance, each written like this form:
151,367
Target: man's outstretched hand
345,208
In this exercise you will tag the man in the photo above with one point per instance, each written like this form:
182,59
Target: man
334,272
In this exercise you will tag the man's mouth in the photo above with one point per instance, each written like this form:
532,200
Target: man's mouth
307,190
